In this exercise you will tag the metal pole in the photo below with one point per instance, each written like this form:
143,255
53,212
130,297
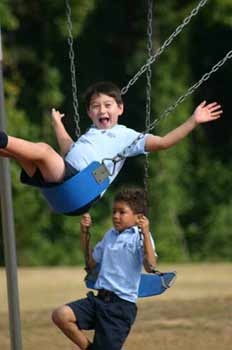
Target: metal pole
8,231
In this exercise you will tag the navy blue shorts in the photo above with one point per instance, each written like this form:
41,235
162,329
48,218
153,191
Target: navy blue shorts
110,316
37,179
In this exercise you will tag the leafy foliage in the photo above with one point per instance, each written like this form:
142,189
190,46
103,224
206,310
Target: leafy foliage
189,186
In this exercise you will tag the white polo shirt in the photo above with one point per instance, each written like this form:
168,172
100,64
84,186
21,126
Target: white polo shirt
97,144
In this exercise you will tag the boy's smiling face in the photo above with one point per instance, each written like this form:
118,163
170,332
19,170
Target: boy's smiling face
104,111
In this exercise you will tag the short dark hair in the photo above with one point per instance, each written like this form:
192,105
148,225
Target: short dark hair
103,87
135,198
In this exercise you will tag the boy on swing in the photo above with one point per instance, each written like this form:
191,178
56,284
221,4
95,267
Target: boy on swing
121,253
42,165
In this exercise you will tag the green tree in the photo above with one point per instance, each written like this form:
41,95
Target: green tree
188,184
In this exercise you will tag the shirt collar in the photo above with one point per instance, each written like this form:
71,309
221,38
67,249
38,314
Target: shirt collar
93,126
133,229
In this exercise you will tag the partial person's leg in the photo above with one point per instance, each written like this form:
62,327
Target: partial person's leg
5,154
113,324
65,319
28,166
36,155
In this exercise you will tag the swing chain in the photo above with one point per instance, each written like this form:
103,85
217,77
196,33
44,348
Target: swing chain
149,71
114,160
167,42
86,252
72,68
120,156
191,90
181,99
148,87
123,154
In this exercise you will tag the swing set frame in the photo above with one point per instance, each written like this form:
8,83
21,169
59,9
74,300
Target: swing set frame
10,253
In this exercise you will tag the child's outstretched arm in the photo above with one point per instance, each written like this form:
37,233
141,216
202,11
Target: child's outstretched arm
63,138
203,113
150,260
85,225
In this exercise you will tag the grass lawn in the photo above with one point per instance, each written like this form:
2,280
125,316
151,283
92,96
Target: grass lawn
195,314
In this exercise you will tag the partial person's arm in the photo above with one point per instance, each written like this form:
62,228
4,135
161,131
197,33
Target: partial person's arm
150,258
203,113
63,138
85,240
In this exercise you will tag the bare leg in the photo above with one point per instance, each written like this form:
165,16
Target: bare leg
5,154
36,155
24,164
65,319
28,166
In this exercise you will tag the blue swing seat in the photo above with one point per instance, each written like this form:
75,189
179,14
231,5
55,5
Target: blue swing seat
150,284
74,196
155,283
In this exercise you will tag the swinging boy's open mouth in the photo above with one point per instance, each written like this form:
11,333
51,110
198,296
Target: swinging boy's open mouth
104,121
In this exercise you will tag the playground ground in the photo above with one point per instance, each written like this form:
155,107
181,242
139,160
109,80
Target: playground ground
195,314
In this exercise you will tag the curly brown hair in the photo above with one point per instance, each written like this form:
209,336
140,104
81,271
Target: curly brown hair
135,198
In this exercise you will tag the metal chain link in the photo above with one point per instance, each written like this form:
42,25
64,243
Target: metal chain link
86,251
72,68
148,88
167,42
149,51
191,90
181,99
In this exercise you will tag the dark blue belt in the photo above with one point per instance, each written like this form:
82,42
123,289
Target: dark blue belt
107,295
